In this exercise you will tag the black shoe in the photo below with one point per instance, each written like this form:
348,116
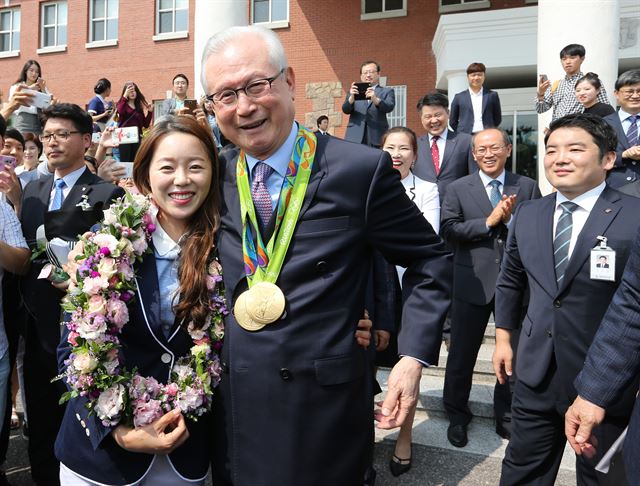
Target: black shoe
457,435
503,428
399,466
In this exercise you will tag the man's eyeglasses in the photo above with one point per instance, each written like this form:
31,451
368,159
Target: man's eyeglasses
254,89
485,150
628,93
63,136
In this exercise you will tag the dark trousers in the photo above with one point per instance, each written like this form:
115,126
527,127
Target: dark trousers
468,324
43,410
128,151
537,436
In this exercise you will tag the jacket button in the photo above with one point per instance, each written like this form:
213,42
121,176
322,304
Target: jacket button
165,358
549,333
87,431
321,266
500,241
225,367
629,178
285,374
557,303
498,261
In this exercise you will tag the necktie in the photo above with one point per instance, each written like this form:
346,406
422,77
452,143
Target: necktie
435,154
632,133
58,196
260,194
562,239
495,195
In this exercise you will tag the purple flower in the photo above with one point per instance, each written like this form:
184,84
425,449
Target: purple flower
151,227
146,412
95,274
105,251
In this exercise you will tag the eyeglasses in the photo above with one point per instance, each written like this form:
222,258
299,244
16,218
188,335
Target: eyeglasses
628,93
438,116
494,149
369,72
63,136
254,89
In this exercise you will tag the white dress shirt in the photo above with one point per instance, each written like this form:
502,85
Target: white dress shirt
70,180
626,123
441,143
476,103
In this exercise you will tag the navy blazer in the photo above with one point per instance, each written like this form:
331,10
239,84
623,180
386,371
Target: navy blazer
625,170
612,366
561,322
366,117
478,250
304,379
456,162
86,446
461,117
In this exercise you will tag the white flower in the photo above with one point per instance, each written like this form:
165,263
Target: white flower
93,285
92,328
182,371
104,240
110,402
107,267
110,217
189,399
199,349
85,363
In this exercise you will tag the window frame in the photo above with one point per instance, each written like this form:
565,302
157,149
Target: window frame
384,14
105,42
463,6
173,34
398,117
271,24
57,47
12,52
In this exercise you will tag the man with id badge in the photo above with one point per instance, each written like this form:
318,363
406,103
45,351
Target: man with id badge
569,249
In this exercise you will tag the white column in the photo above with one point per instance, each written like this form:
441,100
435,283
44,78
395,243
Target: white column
209,18
456,82
593,23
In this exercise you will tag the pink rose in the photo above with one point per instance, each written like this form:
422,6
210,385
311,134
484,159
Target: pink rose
93,285
106,240
189,399
171,389
117,312
97,305
146,412
85,362
110,404
125,269
92,327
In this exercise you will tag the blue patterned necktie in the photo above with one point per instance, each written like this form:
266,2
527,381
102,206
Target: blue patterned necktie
260,193
632,133
562,239
58,196
495,195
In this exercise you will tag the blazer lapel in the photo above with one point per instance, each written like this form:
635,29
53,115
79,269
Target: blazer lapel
149,295
601,216
449,148
45,191
82,187
425,162
479,194
485,98
511,185
317,173
545,243
622,136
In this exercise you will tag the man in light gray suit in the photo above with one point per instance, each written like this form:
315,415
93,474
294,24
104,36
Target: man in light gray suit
368,116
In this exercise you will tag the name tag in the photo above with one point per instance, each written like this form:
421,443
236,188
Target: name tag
603,262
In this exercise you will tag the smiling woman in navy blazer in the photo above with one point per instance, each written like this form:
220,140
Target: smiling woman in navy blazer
463,115
177,158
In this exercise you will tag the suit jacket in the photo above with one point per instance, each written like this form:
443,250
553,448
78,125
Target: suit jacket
456,162
613,365
365,117
85,445
306,371
318,133
461,118
561,322
478,250
625,170
41,299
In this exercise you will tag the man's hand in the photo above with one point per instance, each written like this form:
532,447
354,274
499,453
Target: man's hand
353,91
497,214
579,421
402,394
160,437
508,205
111,171
363,332
370,94
542,87
382,339
18,98
503,356
632,153
10,186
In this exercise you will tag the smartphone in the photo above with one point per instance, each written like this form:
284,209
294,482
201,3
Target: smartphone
7,160
95,137
128,167
543,78
125,135
362,89
39,100
191,106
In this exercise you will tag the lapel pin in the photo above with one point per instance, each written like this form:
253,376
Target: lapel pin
608,210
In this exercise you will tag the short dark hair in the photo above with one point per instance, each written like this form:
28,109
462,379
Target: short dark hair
628,78
366,63
572,50
407,131
320,118
180,75
81,119
592,79
102,85
433,98
604,136
15,135
476,67
3,126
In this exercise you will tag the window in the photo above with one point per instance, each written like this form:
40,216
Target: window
53,16
172,16
382,9
273,12
103,20
457,5
522,127
9,31
398,117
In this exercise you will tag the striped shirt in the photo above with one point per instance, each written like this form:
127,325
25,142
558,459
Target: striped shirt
563,100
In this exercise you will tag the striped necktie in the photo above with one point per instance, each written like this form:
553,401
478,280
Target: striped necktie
435,154
495,195
562,239
632,133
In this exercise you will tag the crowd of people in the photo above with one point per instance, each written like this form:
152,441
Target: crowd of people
236,286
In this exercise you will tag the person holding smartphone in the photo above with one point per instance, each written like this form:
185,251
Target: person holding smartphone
25,118
133,111
179,104
99,108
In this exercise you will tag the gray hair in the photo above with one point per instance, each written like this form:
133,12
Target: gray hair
505,136
218,42
628,78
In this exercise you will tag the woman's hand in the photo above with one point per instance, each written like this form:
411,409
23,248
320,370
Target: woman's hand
160,437
41,84
10,186
106,139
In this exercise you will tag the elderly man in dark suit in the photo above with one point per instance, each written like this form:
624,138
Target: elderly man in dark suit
626,123
475,217
443,155
553,246
476,108
63,205
302,377
368,116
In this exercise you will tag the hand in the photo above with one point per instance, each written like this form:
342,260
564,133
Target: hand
402,395
107,140
381,339
201,117
370,94
542,87
181,111
579,421
632,153
10,186
41,84
508,205
150,107
160,437
20,98
497,214
503,356
61,285
111,171
353,91
363,333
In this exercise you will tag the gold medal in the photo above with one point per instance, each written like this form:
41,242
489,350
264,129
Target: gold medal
242,317
264,302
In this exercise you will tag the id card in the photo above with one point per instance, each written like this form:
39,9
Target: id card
603,262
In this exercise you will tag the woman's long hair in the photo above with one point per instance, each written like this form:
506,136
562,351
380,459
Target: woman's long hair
140,100
25,68
197,244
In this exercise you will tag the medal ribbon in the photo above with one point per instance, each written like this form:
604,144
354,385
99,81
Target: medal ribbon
263,263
